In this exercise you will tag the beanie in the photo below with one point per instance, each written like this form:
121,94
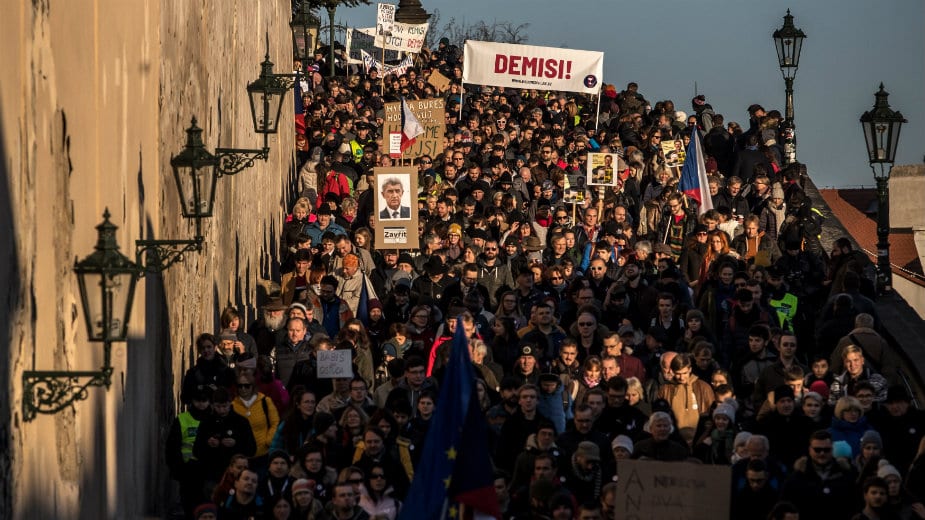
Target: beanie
871,437
886,469
781,392
303,484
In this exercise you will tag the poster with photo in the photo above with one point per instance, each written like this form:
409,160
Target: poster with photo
603,169
576,190
396,208
674,153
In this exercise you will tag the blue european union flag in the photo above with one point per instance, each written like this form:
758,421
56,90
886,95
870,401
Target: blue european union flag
455,468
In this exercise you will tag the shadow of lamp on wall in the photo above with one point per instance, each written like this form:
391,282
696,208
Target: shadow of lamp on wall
107,278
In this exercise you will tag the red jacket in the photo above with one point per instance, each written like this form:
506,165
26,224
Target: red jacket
336,183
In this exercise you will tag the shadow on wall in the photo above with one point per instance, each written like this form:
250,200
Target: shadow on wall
9,278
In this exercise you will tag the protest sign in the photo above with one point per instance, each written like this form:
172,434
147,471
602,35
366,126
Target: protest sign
334,363
532,67
385,18
385,69
395,145
651,490
396,207
575,190
406,37
602,169
438,81
430,113
674,153
364,40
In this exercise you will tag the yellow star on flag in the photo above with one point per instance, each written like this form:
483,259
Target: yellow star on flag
453,512
451,453
446,482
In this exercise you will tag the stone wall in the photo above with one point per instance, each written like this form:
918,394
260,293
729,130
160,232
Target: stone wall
95,99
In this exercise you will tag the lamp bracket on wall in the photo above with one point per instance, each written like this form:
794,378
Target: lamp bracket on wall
49,392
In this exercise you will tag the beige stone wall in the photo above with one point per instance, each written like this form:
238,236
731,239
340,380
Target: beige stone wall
95,99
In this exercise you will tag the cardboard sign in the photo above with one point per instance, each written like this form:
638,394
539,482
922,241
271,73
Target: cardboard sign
396,207
527,66
651,490
439,81
335,363
430,113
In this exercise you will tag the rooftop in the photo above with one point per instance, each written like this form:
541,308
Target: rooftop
856,208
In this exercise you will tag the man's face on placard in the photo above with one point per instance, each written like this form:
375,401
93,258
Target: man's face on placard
392,193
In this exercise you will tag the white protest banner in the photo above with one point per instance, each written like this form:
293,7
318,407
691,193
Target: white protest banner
385,18
406,37
651,490
395,145
369,62
528,66
334,363
364,40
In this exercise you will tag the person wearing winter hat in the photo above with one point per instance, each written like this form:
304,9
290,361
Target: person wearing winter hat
584,477
871,446
303,499
622,447
207,511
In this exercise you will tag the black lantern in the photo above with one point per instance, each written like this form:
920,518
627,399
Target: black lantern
107,281
789,41
194,172
881,133
266,95
304,27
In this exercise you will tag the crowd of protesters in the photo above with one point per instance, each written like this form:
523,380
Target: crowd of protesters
630,326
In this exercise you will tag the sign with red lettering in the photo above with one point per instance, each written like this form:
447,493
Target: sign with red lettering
527,66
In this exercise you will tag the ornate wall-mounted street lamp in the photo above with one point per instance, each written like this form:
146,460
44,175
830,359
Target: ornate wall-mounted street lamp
107,278
881,135
788,40
305,27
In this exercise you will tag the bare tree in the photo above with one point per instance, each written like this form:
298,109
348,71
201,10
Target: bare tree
460,31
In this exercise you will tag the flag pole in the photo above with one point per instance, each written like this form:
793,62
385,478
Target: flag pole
598,118
382,72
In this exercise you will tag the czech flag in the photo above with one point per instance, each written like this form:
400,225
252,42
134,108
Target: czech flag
694,174
410,126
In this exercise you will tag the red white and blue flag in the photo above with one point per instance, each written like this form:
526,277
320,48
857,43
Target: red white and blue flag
694,174
410,126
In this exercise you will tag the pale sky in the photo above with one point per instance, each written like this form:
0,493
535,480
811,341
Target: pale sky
726,47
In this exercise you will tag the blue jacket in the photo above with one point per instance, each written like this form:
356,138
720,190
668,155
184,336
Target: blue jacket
314,230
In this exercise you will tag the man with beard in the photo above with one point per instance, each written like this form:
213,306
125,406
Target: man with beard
642,298
381,277
493,274
268,330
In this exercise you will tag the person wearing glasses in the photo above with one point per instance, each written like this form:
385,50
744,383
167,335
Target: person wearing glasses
376,496
822,486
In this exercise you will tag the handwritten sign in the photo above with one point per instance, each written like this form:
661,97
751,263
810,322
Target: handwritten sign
395,145
334,363
430,113
385,19
405,37
651,490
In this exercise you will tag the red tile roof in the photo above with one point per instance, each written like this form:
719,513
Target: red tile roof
856,209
